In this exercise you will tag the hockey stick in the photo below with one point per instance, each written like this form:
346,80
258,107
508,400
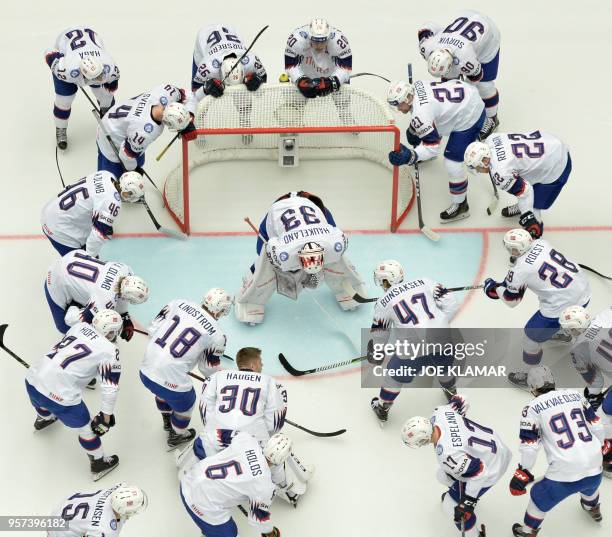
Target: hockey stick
370,74
3,328
298,373
165,149
493,205
144,332
58,167
594,272
429,233
96,112
362,300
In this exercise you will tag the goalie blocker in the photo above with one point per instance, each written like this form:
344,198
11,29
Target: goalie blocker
299,247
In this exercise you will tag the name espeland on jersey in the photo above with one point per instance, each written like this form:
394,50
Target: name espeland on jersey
198,316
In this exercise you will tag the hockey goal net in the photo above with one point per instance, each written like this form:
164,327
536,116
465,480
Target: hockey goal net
277,123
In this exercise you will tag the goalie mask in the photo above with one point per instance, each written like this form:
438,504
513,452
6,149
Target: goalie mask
311,258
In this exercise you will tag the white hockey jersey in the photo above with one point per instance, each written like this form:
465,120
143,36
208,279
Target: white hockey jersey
82,215
557,282
440,108
131,127
302,60
521,160
76,43
469,452
238,474
472,38
592,351
89,514
83,354
565,424
182,335
90,282
213,43
294,221
243,401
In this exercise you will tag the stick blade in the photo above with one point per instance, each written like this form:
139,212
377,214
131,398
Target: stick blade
290,369
333,433
430,234
179,235
492,206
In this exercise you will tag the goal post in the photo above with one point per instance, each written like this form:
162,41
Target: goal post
277,123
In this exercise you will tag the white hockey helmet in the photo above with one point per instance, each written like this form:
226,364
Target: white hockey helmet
440,62
517,241
417,432
389,270
91,68
108,322
399,92
128,501
134,289
278,449
236,76
539,377
575,320
319,30
311,257
218,302
475,153
131,187
176,117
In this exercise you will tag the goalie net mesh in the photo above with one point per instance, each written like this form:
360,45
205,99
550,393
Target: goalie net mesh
243,126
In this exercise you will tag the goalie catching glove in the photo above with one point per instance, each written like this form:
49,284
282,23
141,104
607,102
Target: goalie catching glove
99,425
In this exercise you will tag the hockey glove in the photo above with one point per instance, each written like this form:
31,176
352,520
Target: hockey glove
490,288
412,138
459,404
606,449
274,533
403,156
529,222
371,358
128,327
306,87
521,478
426,33
253,81
594,399
439,291
213,86
99,425
52,56
465,509
326,85
189,128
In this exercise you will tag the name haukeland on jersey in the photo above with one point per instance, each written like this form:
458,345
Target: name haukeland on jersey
83,214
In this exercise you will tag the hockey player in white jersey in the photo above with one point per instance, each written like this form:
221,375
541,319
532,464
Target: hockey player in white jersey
563,422
81,217
471,457
249,401
184,334
80,59
101,513
557,282
452,109
56,382
238,474
134,124
78,285
468,48
533,166
318,59
592,357
419,303
217,49
299,246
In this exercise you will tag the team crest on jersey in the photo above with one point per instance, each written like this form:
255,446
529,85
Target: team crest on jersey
283,256
117,196
332,35
113,524
245,60
439,449
106,69
455,61
75,73
304,35
148,127
338,247
216,64
163,100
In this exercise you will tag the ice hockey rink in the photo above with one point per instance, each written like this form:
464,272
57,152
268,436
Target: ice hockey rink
553,76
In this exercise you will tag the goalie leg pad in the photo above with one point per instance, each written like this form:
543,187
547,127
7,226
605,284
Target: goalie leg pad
344,281
257,287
